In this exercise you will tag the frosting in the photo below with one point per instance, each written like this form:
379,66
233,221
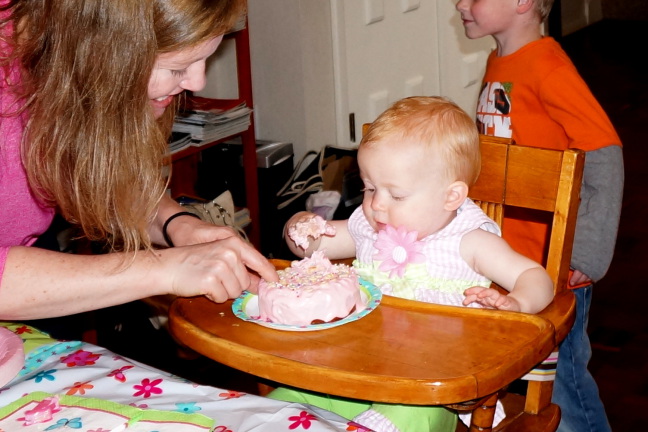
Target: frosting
314,227
312,289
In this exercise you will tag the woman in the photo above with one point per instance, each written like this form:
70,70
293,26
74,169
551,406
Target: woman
87,89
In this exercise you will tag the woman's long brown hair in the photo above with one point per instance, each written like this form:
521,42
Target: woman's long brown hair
92,147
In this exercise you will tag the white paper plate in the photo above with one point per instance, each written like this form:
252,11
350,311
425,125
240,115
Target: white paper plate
246,307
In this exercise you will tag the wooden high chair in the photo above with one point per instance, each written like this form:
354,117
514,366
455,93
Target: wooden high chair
418,353
549,181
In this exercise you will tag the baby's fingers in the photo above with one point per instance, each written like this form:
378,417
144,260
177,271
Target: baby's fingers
472,295
469,299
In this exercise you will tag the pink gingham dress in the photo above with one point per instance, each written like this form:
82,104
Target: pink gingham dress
442,277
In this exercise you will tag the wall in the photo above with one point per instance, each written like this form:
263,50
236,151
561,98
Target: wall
292,65
292,69
462,60
292,72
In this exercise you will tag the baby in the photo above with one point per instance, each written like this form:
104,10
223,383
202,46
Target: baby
418,236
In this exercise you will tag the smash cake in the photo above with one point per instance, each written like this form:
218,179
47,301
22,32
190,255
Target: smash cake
311,291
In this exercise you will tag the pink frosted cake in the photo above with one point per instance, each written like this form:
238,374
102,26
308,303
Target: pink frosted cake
311,291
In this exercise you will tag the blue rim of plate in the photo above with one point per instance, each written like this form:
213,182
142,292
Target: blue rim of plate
247,303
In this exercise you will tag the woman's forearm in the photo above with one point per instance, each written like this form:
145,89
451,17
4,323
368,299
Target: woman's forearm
38,283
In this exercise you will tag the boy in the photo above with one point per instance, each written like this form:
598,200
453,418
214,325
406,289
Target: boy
532,93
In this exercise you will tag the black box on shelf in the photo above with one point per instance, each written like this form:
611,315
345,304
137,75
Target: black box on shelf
221,168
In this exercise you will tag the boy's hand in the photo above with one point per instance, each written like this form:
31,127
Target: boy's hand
579,278
489,297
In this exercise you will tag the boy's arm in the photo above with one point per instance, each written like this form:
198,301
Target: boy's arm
569,101
599,211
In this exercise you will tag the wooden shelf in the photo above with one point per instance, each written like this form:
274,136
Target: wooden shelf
185,163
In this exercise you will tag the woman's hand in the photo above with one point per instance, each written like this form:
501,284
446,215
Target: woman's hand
39,283
188,230
184,230
206,258
220,270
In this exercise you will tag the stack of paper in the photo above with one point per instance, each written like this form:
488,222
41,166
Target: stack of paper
179,141
208,120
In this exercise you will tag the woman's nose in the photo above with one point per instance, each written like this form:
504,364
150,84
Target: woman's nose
195,79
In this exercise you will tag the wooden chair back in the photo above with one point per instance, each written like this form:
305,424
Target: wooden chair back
537,179
545,180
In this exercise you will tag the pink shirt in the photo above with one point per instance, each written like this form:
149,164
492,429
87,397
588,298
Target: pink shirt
22,218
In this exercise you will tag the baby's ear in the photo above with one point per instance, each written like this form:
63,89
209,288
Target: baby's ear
456,195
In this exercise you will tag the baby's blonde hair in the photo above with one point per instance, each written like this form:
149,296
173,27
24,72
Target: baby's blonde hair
437,123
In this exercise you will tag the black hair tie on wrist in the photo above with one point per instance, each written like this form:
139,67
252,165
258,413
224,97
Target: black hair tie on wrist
166,224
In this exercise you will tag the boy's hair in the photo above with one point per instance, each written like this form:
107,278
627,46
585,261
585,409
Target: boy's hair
437,123
542,8
92,146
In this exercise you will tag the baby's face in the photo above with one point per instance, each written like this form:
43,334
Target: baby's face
404,186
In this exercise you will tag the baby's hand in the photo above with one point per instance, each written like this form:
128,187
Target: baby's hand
309,225
492,298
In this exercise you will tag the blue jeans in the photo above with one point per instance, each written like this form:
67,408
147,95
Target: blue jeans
575,390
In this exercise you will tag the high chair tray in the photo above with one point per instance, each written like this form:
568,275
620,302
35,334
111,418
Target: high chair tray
404,351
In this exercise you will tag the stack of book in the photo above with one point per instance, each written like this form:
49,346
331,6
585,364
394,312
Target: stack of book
208,120
179,141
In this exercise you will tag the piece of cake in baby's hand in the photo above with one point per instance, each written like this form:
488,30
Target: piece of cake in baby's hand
311,290
314,227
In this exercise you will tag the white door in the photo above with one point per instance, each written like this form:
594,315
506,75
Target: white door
384,50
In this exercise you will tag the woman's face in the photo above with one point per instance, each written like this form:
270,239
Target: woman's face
177,71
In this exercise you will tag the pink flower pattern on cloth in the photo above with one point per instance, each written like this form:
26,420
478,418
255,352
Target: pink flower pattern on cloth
80,358
43,412
107,388
396,249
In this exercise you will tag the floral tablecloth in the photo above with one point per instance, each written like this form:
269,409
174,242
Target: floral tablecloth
70,380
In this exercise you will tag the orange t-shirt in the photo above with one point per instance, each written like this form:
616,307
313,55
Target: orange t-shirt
537,97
